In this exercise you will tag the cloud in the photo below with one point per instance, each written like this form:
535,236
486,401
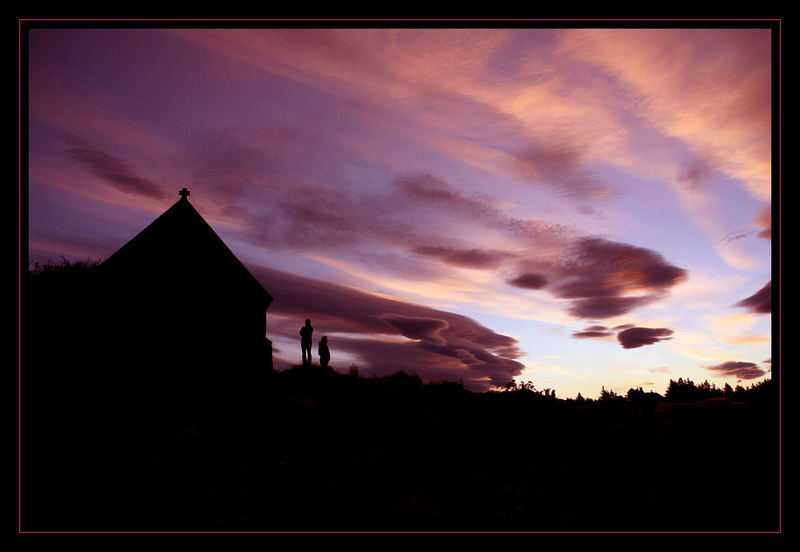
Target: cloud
560,166
741,370
253,173
709,88
593,332
418,328
528,281
606,307
434,201
736,235
660,370
696,172
602,267
427,190
629,336
469,258
286,203
430,342
633,338
403,221
760,302
764,221
111,169
599,277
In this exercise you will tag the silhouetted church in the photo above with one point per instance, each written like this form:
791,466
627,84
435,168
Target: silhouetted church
179,300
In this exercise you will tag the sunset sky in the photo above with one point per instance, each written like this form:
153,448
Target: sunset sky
579,208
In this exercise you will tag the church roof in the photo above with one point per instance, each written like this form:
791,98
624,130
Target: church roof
180,248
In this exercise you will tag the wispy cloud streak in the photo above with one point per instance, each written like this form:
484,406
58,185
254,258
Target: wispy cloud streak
110,169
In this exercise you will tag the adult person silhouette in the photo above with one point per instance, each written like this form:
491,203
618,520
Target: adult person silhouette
305,341
324,352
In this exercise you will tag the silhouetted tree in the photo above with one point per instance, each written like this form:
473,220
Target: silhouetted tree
608,395
681,390
635,394
63,269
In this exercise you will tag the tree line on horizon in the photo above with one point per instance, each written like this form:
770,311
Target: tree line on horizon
677,390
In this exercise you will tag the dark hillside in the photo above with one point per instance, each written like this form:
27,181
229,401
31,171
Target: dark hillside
312,449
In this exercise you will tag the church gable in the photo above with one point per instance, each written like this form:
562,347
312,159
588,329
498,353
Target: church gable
176,289
180,248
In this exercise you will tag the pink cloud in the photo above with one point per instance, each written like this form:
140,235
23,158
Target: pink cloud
710,88
764,221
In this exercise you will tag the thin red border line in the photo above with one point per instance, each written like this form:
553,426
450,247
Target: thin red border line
418,19
19,276
780,274
411,532
19,286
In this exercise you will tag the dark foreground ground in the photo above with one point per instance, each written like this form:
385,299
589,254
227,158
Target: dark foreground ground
311,450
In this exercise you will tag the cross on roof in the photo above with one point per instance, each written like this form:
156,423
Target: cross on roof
184,193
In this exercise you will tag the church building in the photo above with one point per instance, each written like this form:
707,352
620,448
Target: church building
176,299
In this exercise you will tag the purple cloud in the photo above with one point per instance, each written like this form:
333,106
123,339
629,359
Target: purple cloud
600,275
601,278
528,280
419,328
606,307
741,370
439,343
593,332
629,336
426,191
252,173
602,268
469,258
107,167
696,173
633,338
560,166
760,302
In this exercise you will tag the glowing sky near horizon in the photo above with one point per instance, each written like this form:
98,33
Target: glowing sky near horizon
581,208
